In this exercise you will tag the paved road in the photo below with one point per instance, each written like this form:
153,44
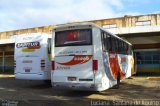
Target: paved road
38,93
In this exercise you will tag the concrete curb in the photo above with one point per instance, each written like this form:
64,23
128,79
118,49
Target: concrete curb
6,76
153,78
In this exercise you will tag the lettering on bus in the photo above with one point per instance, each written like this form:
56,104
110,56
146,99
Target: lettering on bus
83,58
123,59
77,60
27,38
72,52
112,55
72,35
62,68
28,44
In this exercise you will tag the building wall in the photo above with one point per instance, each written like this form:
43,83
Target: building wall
129,21
121,26
9,34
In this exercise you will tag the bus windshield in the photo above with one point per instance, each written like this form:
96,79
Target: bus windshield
73,37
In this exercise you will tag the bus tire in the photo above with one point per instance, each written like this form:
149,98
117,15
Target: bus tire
47,81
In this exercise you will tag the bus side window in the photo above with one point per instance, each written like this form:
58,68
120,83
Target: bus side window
123,47
106,42
126,49
102,40
130,50
120,47
113,44
49,45
116,45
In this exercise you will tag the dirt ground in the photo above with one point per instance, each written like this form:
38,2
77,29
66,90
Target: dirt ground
138,90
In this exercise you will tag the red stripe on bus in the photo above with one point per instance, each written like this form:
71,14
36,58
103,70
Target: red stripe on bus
114,66
77,60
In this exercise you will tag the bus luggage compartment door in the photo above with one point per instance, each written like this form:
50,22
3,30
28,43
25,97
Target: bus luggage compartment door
28,65
77,68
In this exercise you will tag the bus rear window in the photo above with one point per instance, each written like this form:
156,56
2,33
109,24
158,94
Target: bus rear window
73,37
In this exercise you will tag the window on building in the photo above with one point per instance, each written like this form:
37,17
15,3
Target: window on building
108,26
143,23
148,57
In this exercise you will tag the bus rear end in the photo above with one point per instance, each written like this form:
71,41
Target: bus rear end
31,59
72,65
30,68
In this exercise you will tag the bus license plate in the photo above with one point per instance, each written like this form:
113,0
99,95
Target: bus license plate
72,78
27,70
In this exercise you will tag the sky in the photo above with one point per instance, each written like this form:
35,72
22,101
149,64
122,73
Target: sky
20,14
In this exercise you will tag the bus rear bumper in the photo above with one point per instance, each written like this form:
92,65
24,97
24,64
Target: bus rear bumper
33,76
77,86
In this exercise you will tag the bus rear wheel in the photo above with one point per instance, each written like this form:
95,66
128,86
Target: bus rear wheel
47,81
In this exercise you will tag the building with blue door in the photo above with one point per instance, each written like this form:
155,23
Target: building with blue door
148,61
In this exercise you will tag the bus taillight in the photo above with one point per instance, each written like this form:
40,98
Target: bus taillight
95,65
14,64
53,65
42,64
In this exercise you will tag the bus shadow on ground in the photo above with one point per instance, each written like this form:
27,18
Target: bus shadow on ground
82,94
41,85
125,91
132,91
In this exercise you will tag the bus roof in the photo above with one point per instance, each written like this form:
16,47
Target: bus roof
63,26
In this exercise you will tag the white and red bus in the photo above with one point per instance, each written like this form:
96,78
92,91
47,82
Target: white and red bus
87,57
33,56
